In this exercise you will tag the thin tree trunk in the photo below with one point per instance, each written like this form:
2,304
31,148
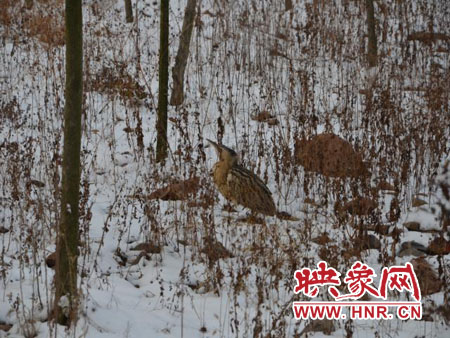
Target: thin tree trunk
67,243
128,11
183,54
372,45
161,123
288,5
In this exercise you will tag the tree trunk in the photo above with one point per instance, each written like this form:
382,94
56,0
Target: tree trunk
66,299
28,4
161,123
183,54
288,5
128,11
372,45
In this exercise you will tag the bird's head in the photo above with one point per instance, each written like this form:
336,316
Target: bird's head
224,153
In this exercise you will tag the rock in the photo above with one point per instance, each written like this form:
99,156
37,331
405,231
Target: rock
412,248
330,155
366,243
371,242
428,281
411,252
414,244
413,226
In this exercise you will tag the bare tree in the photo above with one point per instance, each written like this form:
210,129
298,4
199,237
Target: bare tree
178,70
67,242
288,5
161,123
128,11
372,44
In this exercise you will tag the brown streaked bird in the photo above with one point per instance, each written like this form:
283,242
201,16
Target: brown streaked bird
240,185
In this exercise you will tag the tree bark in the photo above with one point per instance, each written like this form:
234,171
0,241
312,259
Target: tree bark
128,11
161,123
288,5
28,4
66,299
181,59
372,44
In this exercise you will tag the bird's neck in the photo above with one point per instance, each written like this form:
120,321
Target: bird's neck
220,170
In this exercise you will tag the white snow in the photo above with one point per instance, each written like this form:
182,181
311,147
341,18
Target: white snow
231,74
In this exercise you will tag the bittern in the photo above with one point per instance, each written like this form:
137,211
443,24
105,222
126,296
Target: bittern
240,185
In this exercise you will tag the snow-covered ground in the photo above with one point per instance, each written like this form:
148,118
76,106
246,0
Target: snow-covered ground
207,274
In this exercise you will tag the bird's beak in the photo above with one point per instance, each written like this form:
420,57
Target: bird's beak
215,145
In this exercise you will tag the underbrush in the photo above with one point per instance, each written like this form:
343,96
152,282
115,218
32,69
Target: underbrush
161,235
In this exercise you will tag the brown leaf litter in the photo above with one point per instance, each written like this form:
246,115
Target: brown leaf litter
330,155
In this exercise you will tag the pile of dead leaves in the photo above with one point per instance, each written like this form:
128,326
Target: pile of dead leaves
177,190
330,155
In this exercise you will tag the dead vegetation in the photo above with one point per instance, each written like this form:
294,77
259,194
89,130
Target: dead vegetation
117,81
177,190
330,155
428,37
44,21
268,83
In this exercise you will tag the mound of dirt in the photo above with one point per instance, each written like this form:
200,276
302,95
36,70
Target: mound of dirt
177,190
330,155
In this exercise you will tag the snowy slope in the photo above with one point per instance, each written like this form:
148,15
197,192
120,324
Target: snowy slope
306,68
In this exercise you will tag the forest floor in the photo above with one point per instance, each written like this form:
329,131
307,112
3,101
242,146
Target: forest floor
161,254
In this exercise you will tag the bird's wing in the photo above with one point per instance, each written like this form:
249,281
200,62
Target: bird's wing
248,176
250,191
